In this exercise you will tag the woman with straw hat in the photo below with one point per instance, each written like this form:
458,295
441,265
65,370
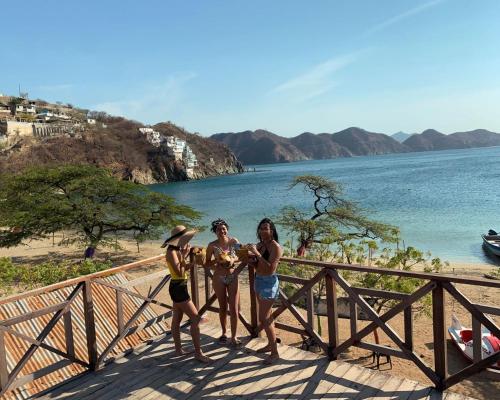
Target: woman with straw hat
176,255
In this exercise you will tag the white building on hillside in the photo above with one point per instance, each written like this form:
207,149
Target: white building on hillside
152,136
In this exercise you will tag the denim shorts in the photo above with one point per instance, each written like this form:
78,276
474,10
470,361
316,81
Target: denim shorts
267,286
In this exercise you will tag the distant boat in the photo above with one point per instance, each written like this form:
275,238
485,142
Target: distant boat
491,242
462,338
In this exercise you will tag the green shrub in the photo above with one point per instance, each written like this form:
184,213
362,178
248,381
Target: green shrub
47,273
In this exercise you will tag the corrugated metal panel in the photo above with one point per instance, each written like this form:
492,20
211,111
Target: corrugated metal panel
104,300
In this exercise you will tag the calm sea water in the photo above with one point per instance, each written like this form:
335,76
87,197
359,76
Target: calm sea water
442,201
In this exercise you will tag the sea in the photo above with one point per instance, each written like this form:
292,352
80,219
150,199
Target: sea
442,201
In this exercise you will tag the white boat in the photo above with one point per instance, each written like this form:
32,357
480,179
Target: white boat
462,337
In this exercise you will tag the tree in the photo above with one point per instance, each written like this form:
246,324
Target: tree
337,229
88,200
333,218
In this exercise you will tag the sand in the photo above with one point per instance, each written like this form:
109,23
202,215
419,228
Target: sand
485,385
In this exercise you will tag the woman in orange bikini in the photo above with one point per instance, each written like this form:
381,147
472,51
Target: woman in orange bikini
177,253
226,286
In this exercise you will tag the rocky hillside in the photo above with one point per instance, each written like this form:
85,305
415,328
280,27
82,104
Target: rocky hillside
262,147
121,147
434,140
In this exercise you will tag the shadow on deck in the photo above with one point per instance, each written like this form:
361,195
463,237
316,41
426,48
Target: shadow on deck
154,373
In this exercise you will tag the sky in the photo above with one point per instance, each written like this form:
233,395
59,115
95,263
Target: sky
285,66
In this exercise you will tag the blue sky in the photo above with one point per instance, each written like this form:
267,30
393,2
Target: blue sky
286,66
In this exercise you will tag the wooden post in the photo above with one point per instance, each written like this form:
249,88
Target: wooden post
439,330
68,333
119,311
476,340
253,300
332,312
310,308
408,325
353,316
88,311
195,295
4,375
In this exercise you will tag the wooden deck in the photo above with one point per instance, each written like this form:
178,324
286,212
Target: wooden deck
153,373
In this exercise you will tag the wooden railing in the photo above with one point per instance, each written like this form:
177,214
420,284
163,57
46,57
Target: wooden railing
82,288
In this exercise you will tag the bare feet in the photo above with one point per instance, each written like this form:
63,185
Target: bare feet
264,349
181,352
235,342
271,359
202,358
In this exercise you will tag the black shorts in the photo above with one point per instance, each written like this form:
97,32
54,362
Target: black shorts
179,291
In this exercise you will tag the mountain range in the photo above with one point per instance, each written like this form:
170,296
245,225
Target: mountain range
264,147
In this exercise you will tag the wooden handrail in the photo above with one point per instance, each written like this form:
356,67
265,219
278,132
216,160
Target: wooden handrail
396,272
328,273
83,278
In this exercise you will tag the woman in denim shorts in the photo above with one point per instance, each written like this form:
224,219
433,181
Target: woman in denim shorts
268,253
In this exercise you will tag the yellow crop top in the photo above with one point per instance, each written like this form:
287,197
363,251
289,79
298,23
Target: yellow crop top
174,276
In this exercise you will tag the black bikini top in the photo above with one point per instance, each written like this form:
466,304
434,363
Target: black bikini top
266,254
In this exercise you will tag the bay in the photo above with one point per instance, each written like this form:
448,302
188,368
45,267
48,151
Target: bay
441,201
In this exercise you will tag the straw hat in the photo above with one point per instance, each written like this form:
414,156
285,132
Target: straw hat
179,236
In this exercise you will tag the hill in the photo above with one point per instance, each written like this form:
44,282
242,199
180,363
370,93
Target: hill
262,147
117,143
401,136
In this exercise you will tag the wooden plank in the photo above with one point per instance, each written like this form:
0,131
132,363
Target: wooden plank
353,321
290,328
68,333
332,313
347,386
439,334
261,379
376,381
310,308
408,326
477,340
384,294
119,311
388,390
133,294
90,331
382,349
23,380
321,380
292,279
487,309
146,278
148,323
4,374
382,271
34,314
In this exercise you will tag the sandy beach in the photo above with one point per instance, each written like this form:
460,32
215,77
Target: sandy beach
485,385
